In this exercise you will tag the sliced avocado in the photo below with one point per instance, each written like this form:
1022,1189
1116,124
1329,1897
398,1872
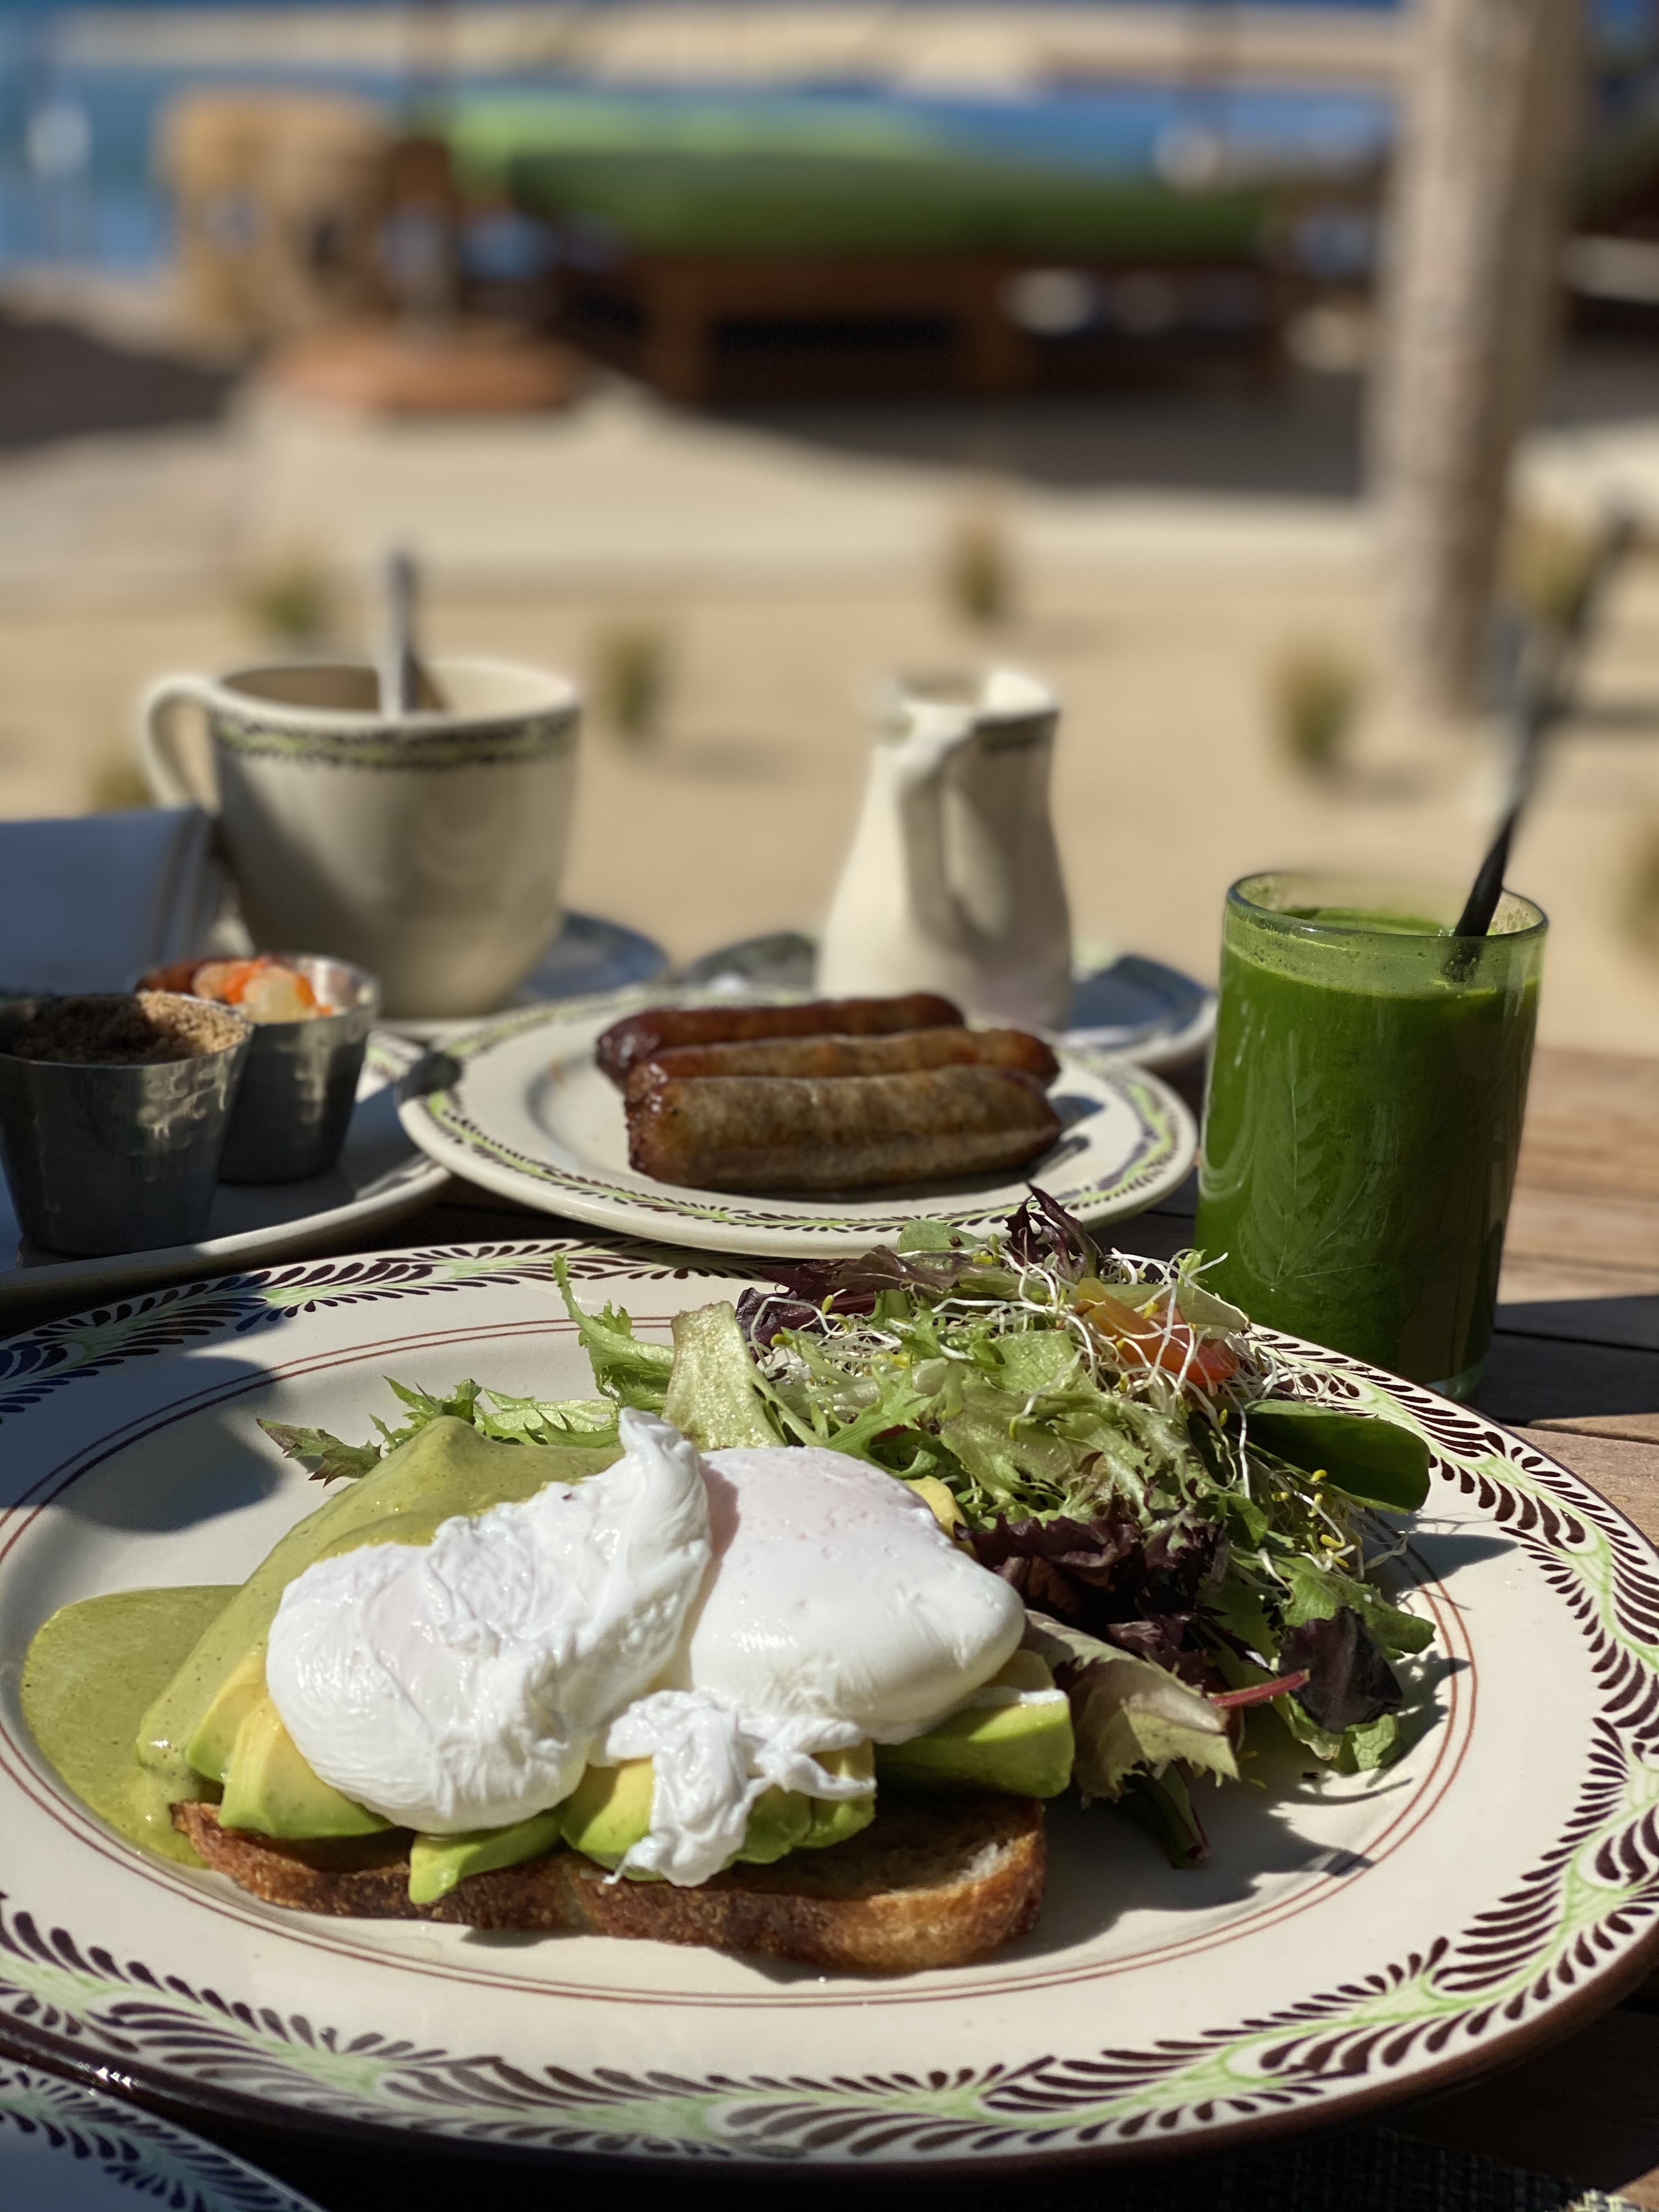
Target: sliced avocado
436,1863
779,1820
209,1749
609,1810
447,1469
270,1788
835,1818
1023,1750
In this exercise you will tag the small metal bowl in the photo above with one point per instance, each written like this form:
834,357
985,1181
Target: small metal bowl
106,1157
301,1082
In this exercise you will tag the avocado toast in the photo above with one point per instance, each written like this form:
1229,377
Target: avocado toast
735,1652
950,1867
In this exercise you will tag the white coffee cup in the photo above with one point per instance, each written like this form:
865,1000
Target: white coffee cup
427,848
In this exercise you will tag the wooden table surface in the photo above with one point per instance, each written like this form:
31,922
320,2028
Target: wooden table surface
1575,1366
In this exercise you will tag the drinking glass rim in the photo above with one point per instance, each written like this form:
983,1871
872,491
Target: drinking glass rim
1303,926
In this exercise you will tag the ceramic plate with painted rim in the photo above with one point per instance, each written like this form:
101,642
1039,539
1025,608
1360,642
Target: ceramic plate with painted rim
381,1178
1350,1942
71,2148
519,1105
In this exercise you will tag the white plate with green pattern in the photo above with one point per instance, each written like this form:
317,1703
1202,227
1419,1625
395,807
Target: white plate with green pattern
519,1105
1351,1941
65,2147
380,1177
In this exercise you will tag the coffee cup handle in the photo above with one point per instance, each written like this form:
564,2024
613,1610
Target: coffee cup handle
164,766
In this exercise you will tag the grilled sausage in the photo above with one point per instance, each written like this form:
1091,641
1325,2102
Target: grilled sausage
638,1036
759,1132
853,1056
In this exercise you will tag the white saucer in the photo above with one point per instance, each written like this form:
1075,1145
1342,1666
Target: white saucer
587,956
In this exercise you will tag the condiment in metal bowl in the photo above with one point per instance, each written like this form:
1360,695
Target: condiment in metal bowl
113,1115
300,1081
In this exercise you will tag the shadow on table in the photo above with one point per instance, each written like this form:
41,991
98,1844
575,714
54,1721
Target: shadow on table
1554,1358
1301,440
1355,2168
57,381
1590,2105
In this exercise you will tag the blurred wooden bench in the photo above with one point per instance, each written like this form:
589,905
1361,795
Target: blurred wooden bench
708,327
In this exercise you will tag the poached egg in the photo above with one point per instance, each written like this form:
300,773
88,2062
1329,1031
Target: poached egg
731,1618
835,1592
463,1684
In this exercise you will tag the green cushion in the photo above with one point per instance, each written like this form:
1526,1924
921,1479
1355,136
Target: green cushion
713,178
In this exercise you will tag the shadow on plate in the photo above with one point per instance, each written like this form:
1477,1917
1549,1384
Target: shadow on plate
212,1465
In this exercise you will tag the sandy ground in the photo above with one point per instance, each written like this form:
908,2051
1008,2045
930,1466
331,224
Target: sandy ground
1167,553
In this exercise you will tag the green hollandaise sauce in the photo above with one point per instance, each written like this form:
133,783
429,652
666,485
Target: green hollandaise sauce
114,1687
90,1675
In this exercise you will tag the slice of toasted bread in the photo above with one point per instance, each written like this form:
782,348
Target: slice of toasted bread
929,1883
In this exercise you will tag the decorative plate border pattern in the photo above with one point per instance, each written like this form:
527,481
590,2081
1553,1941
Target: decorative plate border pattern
133,2150
1586,1907
59,1352
515,738
432,1102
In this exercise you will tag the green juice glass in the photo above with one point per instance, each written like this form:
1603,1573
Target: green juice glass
1364,1114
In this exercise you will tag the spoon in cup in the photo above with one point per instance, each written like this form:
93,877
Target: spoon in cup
404,685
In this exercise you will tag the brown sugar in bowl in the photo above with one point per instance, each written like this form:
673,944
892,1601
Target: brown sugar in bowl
113,1115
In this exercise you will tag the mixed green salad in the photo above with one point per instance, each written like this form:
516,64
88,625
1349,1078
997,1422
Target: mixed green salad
1191,1539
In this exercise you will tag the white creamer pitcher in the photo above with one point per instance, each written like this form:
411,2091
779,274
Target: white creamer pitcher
953,883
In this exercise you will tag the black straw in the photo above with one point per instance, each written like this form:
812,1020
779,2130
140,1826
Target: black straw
1540,697
1482,902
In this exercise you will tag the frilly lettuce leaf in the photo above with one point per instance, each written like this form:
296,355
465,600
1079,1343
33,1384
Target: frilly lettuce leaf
1041,1233
325,1457
1359,1750
1128,1714
626,1368
581,1422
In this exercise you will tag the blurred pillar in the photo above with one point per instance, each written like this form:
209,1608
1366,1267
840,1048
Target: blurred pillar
1480,194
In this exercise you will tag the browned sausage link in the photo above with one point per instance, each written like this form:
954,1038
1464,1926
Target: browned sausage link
638,1036
756,1133
853,1056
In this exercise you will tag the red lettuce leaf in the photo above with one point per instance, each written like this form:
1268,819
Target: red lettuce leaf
1041,1233
1140,1594
1349,1682
851,1288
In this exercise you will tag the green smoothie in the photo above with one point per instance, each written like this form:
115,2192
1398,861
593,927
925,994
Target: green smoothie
1364,1115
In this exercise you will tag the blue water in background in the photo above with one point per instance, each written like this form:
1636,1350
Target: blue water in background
113,212
107,208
